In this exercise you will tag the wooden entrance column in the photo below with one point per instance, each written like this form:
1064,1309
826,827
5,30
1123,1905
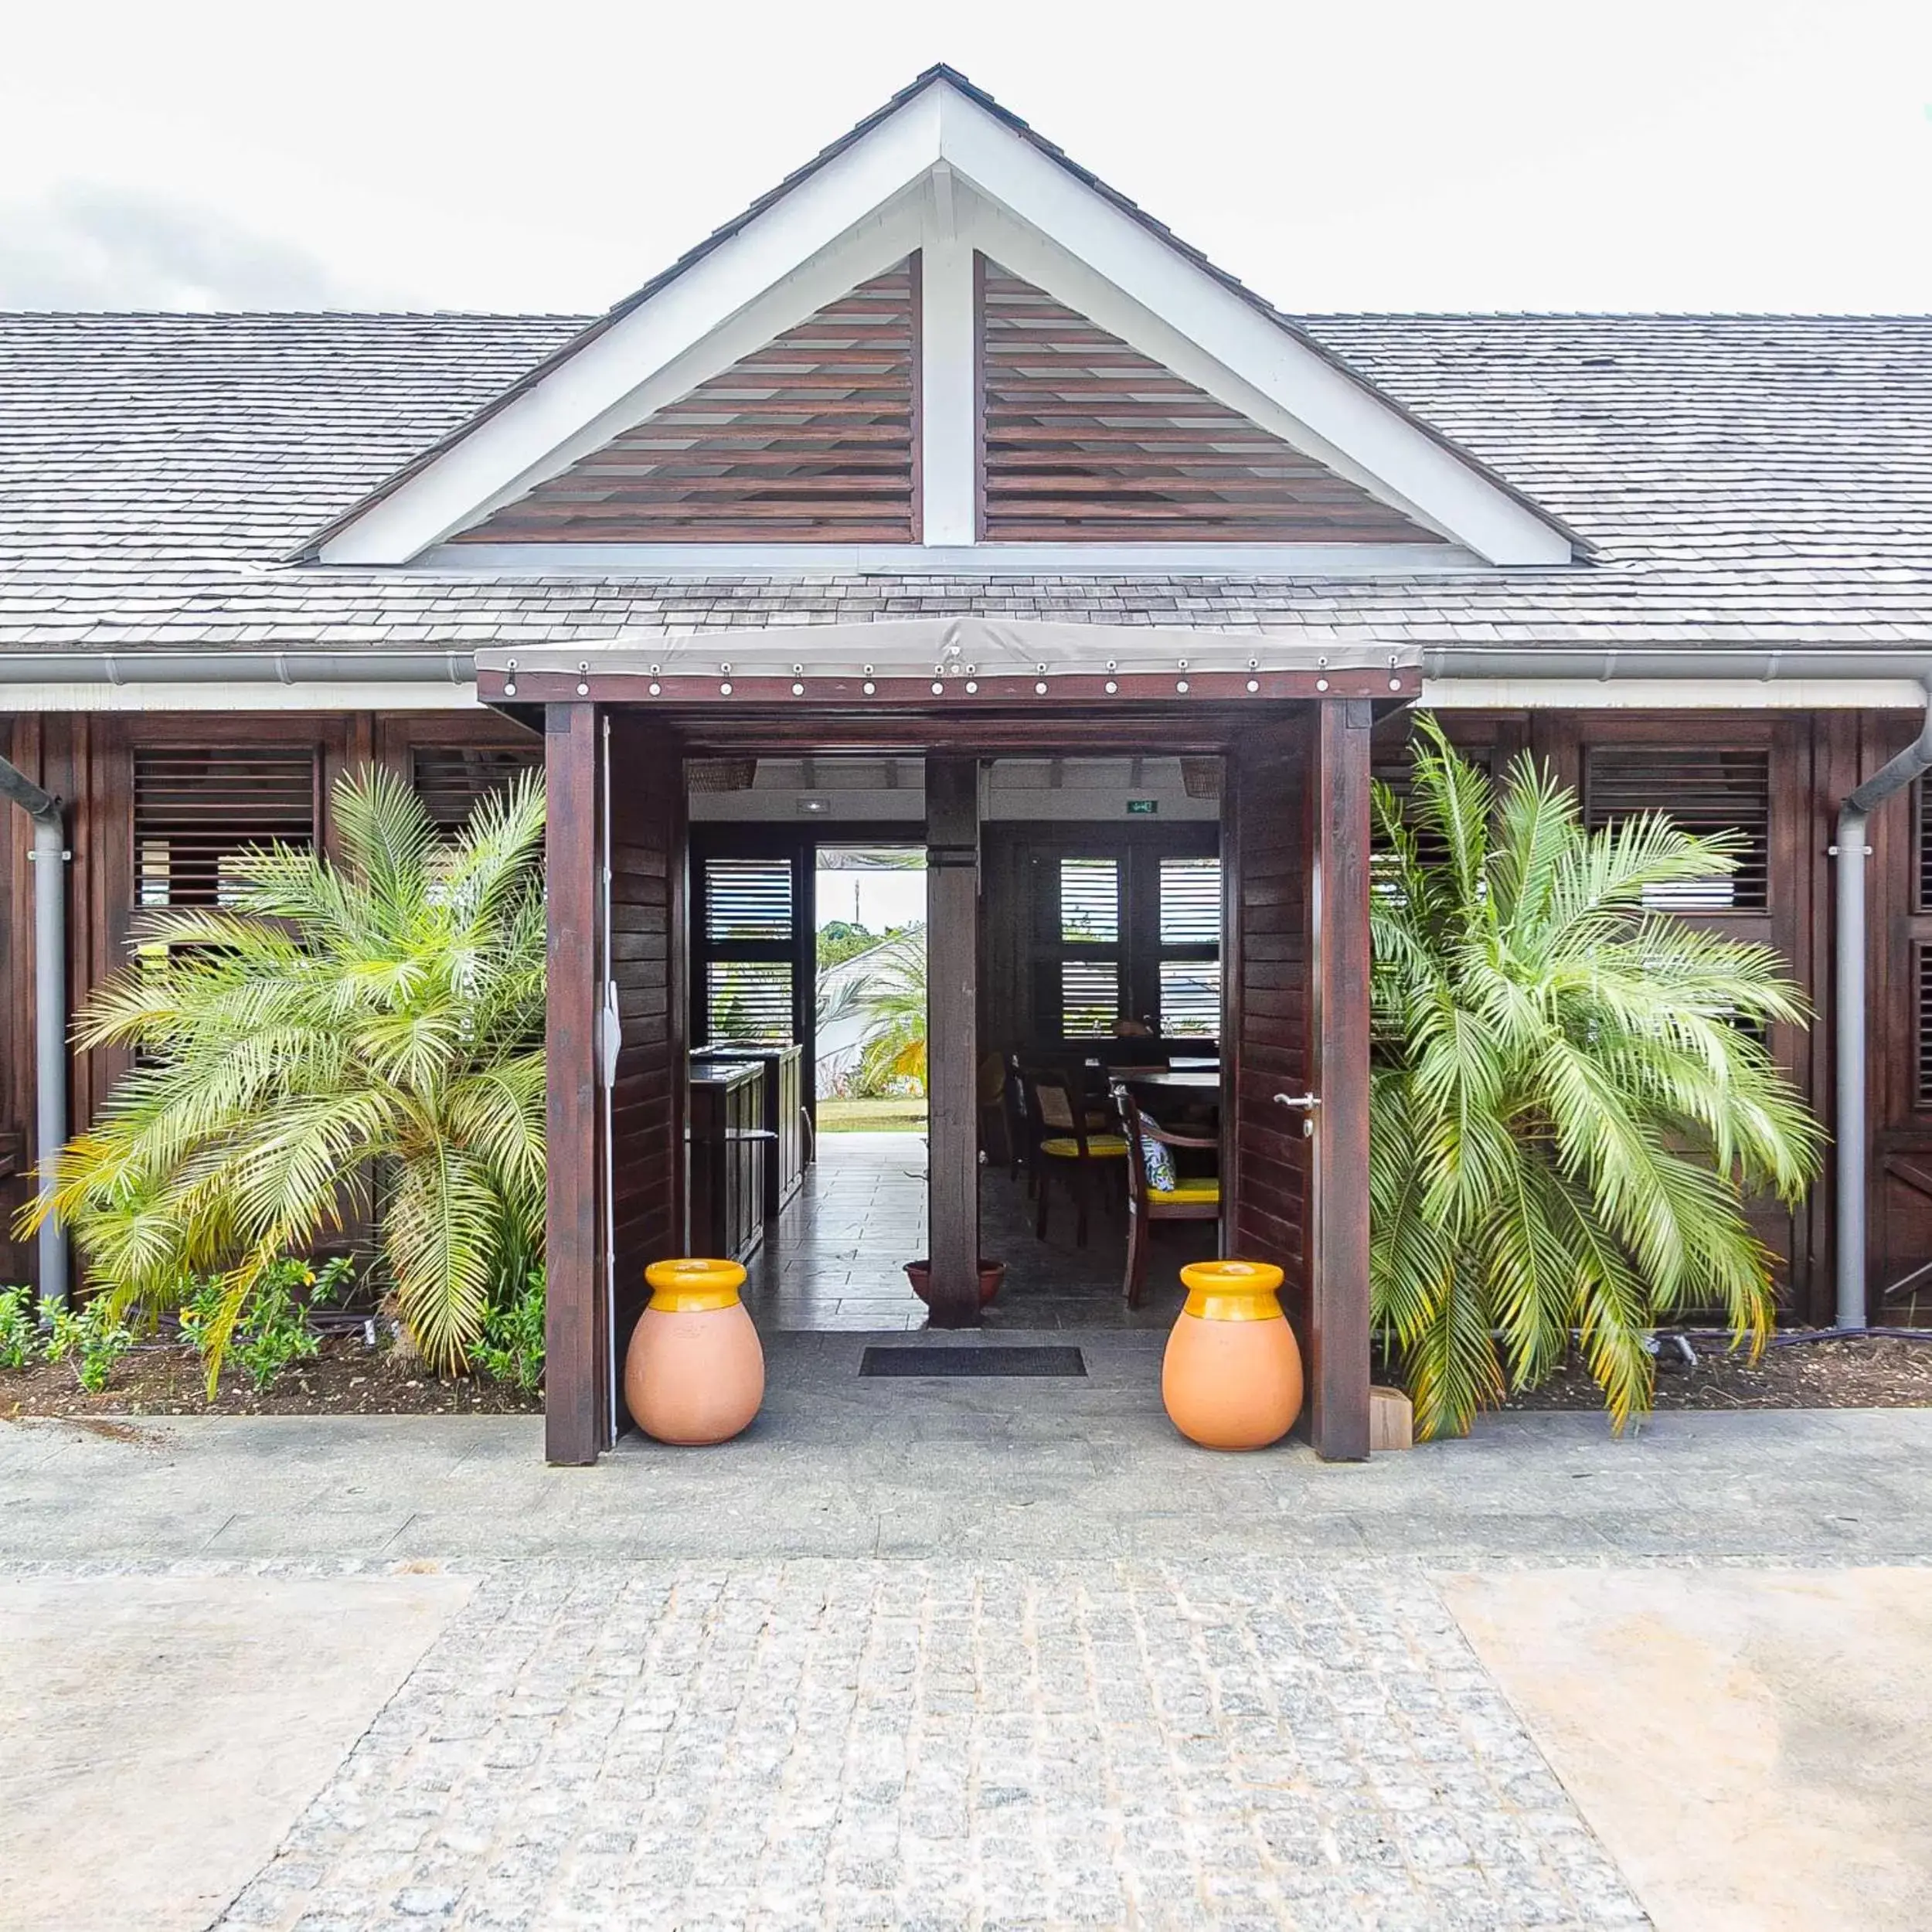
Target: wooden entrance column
1296,834
614,1053
952,1001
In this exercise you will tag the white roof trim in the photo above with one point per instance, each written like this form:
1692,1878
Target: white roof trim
1300,560
862,209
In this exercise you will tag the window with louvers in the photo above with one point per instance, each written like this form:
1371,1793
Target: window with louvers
451,779
1090,938
1922,793
749,908
1922,976
1703,791
196,812
1190,963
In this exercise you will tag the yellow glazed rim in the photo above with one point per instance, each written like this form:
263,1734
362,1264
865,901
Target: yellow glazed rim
1233,1290
690,1285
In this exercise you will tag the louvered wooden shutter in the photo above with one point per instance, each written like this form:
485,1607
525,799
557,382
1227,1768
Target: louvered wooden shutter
1922,793
749,909
1704,791
1921,988
1190,965
196,812
451,779
1089,922
1085,439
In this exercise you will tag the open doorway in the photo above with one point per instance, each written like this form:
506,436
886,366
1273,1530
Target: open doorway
1099,1032
1096,1031
807,943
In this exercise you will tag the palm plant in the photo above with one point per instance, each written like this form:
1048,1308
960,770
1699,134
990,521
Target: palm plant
343,1035
894,1000
1570,1102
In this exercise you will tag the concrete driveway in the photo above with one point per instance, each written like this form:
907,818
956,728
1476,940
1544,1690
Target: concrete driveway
968,1654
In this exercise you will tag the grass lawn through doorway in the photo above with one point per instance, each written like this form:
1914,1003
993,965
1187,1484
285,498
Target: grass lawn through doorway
905,1116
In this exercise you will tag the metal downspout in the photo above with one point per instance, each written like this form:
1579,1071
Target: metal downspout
50,856
1849,1004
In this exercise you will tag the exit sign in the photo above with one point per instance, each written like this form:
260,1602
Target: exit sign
1142,807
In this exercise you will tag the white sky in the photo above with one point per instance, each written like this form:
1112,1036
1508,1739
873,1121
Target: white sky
1621,153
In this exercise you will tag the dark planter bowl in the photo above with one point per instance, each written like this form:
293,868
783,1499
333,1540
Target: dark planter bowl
991,1274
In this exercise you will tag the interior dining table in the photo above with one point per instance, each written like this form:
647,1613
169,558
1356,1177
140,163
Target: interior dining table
1186,1079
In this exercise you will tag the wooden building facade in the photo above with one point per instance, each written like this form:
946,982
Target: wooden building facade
944,450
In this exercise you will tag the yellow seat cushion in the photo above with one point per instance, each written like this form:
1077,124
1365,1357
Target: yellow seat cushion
1190,1193
1069,1149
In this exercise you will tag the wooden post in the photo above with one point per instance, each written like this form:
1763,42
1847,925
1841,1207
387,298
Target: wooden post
1337,1325
952,970
574,1424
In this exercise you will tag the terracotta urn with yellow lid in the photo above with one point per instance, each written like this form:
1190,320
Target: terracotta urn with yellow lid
694,1372
1232,1375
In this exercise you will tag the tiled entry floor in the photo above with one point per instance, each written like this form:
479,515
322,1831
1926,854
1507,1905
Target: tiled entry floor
836,1258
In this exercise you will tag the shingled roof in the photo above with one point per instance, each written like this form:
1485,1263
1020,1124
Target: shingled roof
1747,481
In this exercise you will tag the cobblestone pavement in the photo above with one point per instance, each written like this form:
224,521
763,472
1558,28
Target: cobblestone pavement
938,1744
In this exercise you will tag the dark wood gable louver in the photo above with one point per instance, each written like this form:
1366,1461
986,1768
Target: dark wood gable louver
196,812
810,440
1087,440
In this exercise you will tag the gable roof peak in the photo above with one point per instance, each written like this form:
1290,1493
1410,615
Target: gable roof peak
863,202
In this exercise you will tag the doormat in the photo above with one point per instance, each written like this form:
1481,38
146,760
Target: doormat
969,1361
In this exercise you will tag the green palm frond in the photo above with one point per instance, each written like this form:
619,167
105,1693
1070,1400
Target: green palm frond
381,1014
1570,1107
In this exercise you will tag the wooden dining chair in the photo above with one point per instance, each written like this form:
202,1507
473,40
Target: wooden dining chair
1065,1143
1186,1199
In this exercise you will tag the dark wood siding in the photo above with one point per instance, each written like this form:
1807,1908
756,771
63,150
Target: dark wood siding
811,439
1085,440
1266,831
648,873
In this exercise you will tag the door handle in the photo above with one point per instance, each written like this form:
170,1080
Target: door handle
1305,1104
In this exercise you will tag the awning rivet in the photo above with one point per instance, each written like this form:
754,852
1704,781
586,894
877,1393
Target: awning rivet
798,691
724,690
1039,691
1254,664
1112,665
1112,688
724,670
1254,684
798,670
1180,683
657,691
972,689
868,687
939,690
1321,684
1395,684
1041,669
583,691
509,689
868,671
1181,665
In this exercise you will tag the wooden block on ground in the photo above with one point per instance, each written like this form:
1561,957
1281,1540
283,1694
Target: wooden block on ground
1392,1422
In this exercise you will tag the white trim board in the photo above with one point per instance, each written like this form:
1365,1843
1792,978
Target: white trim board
1672,694
211,695
1304,560
936,173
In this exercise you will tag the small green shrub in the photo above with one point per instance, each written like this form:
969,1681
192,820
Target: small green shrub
511,1347
20,1331
273,1329
91,1340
